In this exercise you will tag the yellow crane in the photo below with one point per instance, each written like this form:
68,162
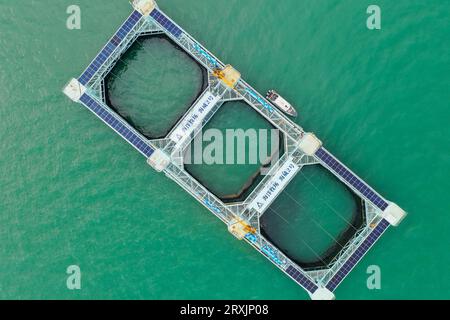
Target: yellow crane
228,75
239,228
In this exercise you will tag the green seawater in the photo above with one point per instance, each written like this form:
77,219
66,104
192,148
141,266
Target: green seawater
74,193
141,85
309,220
232,175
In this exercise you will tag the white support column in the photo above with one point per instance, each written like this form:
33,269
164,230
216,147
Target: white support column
394,214
144,6
159,160
322,294
309,144
74,90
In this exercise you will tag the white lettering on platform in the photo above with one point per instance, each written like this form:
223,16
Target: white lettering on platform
194,118
275,185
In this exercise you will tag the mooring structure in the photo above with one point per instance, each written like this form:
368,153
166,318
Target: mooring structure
167,155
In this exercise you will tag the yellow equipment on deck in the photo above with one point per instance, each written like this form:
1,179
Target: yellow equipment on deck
228,75
239,228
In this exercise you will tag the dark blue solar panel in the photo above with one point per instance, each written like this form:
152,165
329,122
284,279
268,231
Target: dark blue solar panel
357,255
117,125
166,23
301,279
359,185
106,52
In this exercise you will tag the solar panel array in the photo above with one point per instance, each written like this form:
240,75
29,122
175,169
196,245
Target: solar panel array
117,125
301,279
357,255
107,51
359,185
166,23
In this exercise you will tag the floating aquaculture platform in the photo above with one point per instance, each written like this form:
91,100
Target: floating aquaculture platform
226,84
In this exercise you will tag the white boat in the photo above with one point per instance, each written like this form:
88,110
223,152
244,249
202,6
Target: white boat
281,103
